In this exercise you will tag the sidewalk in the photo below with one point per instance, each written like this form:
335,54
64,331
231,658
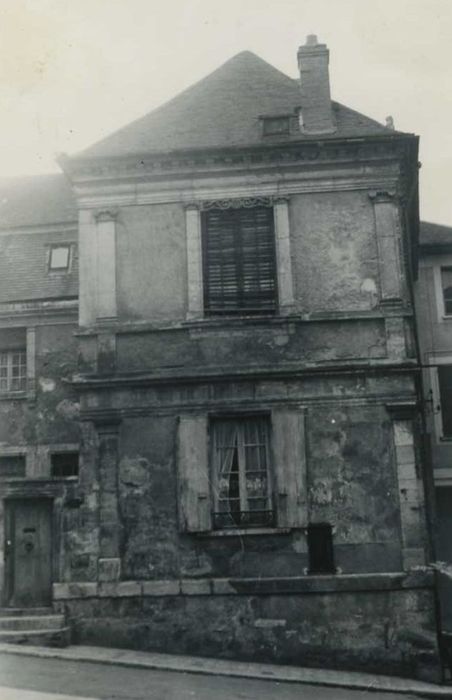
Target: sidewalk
237,669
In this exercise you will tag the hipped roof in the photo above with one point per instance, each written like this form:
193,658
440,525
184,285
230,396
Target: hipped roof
223,110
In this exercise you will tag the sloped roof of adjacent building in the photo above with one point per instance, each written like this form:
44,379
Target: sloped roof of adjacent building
223,110
434,235
36,200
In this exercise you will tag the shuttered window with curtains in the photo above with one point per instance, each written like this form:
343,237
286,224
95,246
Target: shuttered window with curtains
254,473
239,265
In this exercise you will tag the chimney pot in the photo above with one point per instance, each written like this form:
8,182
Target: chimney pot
311,40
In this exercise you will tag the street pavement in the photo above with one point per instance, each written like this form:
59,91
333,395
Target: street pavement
34,678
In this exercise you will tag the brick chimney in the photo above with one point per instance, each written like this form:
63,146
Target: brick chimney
316,111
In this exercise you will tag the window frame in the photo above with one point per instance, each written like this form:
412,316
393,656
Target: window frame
60,270
436,395
23,377
446,262
238,261
244,521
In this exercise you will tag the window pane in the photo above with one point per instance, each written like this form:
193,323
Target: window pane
59,258
13,370
446,281
240,461
445,389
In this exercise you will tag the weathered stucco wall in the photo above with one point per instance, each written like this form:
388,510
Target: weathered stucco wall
334,251
351,479
393,628
334,257
151,262
261,344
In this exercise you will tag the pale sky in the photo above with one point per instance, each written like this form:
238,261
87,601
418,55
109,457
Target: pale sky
72,71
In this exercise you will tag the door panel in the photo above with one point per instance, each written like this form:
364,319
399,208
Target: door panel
28,552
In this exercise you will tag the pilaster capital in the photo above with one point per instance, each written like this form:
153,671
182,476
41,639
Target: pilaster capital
104,215
379,196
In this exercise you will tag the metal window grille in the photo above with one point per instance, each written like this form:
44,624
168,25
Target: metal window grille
239,261
13,371
64,464
241,480
320,549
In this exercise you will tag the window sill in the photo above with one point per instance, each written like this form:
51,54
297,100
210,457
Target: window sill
248,531
13,395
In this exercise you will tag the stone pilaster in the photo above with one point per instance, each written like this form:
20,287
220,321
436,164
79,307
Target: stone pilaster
411,493
387,228
110,528
106,264
283,256
195,303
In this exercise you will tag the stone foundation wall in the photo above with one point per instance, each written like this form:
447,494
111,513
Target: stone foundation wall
380,623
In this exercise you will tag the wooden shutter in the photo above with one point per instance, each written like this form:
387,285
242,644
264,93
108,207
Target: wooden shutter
193,476
289,460
239,261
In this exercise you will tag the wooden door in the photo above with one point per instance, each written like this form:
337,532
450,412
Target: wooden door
28,551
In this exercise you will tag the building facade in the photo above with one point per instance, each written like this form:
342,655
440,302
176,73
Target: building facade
434,313
250,481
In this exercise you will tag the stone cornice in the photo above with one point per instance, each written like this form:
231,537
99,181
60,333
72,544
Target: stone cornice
306,152
89,382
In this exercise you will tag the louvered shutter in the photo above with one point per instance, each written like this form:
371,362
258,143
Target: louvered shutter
289,460
239,263
193,474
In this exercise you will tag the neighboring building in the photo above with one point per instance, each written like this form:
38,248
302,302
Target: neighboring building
39,426
250,480
434,312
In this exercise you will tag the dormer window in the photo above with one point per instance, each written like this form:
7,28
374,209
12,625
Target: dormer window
276,126
59,258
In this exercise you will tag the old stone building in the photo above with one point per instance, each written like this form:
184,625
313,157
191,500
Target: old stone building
249,481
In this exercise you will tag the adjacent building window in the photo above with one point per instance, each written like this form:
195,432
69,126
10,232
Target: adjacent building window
239,264
12,465
13,370
59,258
240,459
446,284
320,549
445,394
64,464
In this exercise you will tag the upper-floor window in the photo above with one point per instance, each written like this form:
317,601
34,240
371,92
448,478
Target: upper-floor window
239,264
13,370
446,285
59,258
